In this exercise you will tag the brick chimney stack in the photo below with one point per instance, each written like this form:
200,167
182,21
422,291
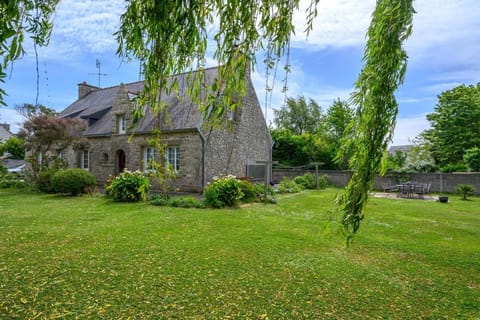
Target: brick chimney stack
84,88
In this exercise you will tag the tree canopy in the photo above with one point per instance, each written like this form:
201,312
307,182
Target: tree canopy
46,137
455,124
299,116
30,111
305,134
13,146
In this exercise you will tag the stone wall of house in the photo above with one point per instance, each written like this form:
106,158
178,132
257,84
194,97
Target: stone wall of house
243,139
104,151
441,182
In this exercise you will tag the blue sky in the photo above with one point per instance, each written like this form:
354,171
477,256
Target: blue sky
443,53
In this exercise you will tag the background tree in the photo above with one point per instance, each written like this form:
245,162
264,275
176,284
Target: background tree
300,150
472,159
45,138
418,157
396,161
455,124
30,111
20,18
339,115
14,146
299,116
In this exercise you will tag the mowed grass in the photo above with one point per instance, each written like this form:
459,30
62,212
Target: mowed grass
89,258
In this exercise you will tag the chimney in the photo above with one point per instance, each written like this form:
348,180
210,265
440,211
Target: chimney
6,126
84,88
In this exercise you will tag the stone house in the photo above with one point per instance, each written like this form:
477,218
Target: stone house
5,133
196,150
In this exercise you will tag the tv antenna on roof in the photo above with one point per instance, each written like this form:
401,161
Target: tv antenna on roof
98,65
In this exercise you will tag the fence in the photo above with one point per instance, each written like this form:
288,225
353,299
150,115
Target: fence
441,182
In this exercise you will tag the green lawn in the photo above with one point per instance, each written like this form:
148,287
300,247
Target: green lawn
89,258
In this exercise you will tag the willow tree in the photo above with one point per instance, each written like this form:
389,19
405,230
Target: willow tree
20,19
372,129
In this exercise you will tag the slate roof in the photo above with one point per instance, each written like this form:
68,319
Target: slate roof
97,106
403,148
5,134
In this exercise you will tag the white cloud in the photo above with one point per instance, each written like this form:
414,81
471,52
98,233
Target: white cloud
416,100
340,23
442,86
82,27
439,25
408,128
11,117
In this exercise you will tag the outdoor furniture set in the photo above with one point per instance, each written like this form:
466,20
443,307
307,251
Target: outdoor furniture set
408,189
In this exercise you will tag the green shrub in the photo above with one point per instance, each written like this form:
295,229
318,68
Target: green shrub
160,199
260,191
289,186
322,182
249,192
457,167
307,181
465,190
129,187
73,181
223,192
185,202
43,181
12,181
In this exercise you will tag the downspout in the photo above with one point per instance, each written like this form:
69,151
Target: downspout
202,137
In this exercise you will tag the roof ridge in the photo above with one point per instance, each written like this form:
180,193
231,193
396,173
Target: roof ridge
140,81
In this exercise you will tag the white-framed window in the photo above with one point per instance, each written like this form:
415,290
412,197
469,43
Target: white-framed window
149,156
40,158
85,159
230,115
121,124
173,157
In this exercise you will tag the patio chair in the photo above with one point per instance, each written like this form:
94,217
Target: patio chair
423,189
388,188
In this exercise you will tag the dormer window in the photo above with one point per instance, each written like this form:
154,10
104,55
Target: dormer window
121,124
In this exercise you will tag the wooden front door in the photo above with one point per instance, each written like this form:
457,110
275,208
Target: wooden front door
120,161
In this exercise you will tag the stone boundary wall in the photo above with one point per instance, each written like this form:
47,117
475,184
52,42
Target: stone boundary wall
441,182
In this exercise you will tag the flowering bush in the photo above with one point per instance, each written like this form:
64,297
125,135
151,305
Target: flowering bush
128,187
223,192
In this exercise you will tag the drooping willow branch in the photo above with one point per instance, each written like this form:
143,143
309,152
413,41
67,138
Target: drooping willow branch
385,63
170,37
20,18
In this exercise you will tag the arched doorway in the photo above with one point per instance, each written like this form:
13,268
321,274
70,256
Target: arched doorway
120,161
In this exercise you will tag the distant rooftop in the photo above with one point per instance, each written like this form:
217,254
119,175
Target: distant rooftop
403,148
5,133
